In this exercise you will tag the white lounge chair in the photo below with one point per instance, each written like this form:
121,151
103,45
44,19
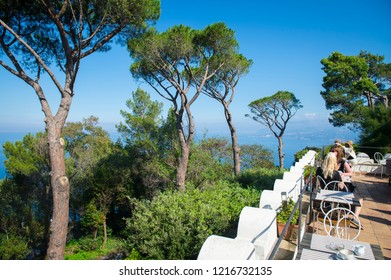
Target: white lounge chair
218,247
270,199
258,226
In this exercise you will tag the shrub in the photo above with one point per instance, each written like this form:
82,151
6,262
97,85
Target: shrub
88,248
13,247
286,210
174,225
260,179
298,155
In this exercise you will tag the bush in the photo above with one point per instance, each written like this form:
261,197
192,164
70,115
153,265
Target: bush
13,248
174,225
298,155
88,248
209,161
260,179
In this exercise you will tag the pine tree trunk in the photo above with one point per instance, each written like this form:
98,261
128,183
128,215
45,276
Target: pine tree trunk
182,167
104,232
280,153
234,141
185,141
60,191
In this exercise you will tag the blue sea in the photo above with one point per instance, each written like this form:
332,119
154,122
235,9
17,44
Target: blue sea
293,142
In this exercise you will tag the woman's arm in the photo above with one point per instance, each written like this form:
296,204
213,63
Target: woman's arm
348,170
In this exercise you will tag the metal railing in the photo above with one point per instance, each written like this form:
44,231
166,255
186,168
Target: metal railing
298,206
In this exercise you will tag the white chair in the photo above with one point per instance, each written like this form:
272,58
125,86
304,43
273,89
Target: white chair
336,186
223,248
312,155
292,176
296,176
270,199
363,157
298,168
326,204
365,165
379,158
288,186
258,226
320,183
337,222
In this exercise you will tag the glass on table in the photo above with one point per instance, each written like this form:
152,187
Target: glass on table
335,247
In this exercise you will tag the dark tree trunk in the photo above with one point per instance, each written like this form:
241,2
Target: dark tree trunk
182,167
185,141
234,141
280,153
104,232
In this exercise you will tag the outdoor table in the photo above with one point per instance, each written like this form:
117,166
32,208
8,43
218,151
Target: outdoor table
319,196
324,194
316,247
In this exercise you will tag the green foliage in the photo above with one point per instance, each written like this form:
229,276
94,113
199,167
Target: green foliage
298,155
209,161
354,86
142,122
174,225
275,112
151,144
376,129
13,247
28,156
256,156
24,196
178,63
260,179
134,255
285,212
92,218
86,144
91,249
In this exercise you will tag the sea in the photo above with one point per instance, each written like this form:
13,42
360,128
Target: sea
293,142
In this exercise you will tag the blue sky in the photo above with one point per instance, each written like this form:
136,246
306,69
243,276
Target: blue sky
285,39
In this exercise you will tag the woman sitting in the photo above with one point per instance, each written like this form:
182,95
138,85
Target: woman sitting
328,172
345,170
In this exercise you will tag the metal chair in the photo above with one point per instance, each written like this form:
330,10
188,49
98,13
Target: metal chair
337,221
326,205
379,158
320,183
336,186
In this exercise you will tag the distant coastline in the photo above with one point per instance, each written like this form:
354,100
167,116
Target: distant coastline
293,142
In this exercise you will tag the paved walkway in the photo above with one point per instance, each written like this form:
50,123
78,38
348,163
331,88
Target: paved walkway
375,215
376,211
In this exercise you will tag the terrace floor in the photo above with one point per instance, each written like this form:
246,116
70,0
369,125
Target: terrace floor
375,214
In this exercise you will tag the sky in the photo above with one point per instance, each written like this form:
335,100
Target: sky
285,39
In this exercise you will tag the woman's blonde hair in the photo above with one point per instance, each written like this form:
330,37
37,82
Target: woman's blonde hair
329,165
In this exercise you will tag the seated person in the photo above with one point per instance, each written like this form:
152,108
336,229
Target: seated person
350,153
328,171
345,170
343,165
